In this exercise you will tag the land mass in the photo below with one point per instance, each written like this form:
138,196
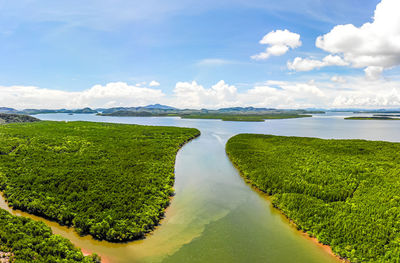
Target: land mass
158,110
343,192
372,118
225,114
112,181
13,118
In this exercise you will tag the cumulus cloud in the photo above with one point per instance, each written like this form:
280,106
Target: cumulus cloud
361,93
332,92
279,42
284,94
191,94
374,46
305,64
269,94
154,83
109,95
335,92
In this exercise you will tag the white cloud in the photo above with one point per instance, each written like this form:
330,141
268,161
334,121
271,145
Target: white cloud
330,92
305,64
361,93
279,42
373,72
193,95
111,95
335,92
375,45
270,94
154,83
338,79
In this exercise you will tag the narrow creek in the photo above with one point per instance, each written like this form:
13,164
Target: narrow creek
215,216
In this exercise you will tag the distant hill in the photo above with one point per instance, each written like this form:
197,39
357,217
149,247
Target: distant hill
12,118
154,108
159,107
244,109
45,111
7,110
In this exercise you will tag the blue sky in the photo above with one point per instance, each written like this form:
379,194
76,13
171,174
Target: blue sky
71,46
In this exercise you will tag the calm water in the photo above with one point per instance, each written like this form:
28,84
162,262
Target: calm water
215,216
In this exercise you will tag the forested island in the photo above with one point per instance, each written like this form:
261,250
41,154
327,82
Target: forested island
346,193
386,117
225,114
216,116
112,181
25,240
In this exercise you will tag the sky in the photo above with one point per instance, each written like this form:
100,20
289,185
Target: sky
200,54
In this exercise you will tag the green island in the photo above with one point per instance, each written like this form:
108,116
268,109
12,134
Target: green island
25,240
249,114
217,116
346,193
372,118
112,181
244,117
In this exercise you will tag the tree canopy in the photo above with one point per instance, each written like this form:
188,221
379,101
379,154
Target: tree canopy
112,181
346,193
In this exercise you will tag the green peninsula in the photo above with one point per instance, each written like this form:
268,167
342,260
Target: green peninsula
112,181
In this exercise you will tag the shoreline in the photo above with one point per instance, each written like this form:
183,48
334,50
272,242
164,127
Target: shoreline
291,223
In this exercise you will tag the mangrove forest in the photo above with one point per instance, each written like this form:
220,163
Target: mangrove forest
112,181
346,193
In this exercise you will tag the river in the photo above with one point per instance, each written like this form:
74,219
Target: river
215,216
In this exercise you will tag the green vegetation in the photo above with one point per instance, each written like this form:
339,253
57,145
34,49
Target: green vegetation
25,240
46,111
112,181
244,117
125,113
12,118
219,116
372,118
387,115
346,193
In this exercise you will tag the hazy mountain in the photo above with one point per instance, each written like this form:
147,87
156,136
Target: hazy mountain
159,107
7,110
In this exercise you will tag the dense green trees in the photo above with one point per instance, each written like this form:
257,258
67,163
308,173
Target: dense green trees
112,181
245,117
344,192
30,241
372,118
194,114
